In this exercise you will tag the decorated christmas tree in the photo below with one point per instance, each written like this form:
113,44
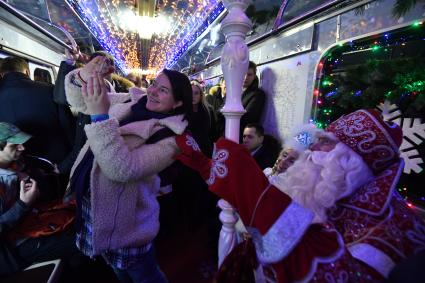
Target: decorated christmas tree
388,73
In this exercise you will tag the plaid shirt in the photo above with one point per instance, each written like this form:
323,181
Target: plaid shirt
121,258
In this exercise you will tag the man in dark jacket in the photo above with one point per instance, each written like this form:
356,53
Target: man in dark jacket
253,100
66,66
264,149
30,106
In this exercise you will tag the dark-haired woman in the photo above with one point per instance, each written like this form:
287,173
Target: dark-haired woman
197,203
202,121
118,173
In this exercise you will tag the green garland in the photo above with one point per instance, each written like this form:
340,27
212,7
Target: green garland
402,7
401,81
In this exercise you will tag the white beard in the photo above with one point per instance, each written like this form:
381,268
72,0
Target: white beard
318,179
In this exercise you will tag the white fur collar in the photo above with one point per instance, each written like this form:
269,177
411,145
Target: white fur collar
146,128
133,95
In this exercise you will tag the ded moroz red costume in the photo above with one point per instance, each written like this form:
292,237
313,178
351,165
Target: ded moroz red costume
366,233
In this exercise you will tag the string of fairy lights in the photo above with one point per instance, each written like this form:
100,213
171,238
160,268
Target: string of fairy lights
187,20
190,38
99,17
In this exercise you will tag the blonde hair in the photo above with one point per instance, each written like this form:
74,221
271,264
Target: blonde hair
201,91
274,169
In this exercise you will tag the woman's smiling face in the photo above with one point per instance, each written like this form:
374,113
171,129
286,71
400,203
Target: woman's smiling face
160,95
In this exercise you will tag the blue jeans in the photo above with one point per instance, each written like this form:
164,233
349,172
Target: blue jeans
144,271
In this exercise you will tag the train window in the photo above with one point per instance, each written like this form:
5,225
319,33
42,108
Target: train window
262,15
38,72
42,75
37,8
294,9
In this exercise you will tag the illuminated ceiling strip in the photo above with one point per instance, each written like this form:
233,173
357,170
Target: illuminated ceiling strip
189,40
92,18
160,52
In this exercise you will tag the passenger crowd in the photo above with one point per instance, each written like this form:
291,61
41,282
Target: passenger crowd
88,164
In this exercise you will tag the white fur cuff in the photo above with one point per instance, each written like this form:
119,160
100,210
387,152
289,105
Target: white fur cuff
284,235
373,257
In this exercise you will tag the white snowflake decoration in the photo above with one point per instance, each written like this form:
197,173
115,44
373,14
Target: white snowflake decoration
412,130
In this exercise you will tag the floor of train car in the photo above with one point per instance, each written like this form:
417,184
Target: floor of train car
184,253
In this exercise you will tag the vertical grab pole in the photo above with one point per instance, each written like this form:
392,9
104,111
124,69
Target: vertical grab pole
234,63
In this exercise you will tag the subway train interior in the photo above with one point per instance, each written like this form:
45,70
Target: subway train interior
195,141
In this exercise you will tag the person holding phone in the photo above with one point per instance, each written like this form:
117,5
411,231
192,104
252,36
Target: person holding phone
127,158
26,233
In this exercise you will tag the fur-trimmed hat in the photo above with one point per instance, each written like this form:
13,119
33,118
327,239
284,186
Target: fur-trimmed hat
374,139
